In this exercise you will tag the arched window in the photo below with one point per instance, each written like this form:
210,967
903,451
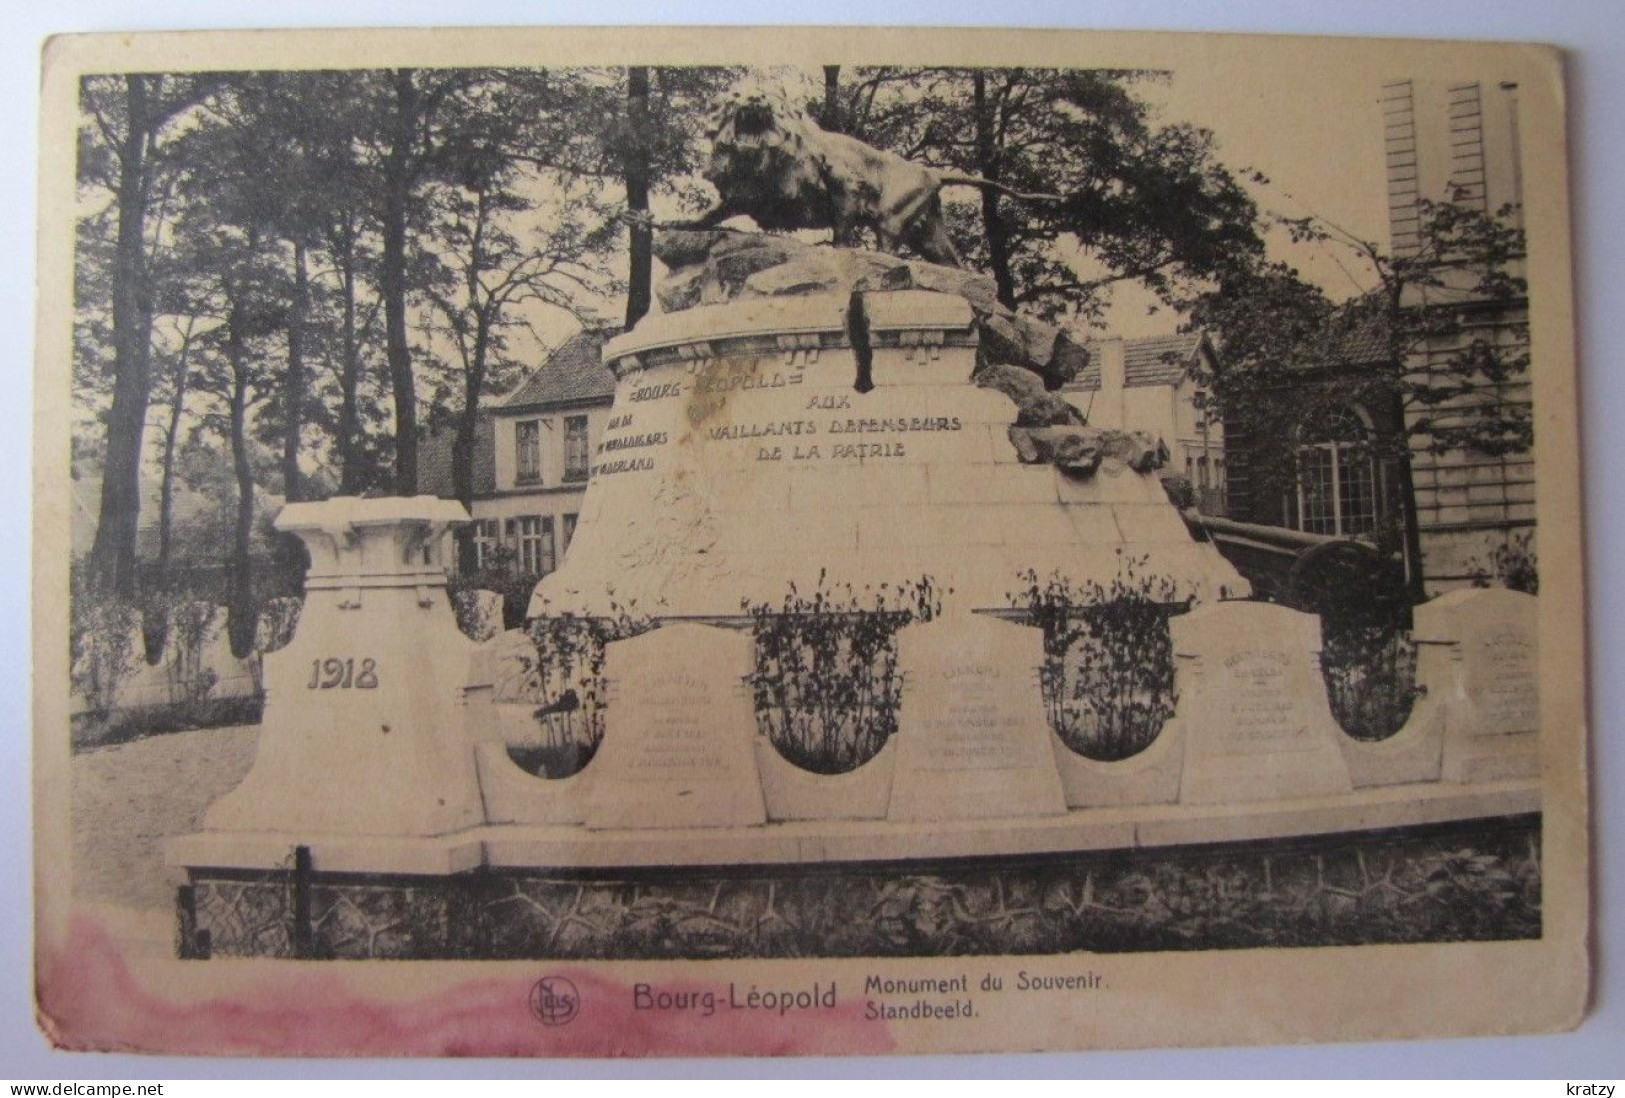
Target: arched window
1338,482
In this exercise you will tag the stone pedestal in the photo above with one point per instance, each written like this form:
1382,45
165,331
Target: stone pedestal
1486,680
973,738
763,442
362,735
677,741
1253,706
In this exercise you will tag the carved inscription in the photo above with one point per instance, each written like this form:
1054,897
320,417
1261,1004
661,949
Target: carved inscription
1257,697
975,726
343,674
672,709
817,425
1506,689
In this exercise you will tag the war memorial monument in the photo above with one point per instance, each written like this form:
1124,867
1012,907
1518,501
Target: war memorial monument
805,682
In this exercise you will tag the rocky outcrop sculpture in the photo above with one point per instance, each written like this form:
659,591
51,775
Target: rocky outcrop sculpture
715,266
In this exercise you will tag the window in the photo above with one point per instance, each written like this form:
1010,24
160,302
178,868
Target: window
569,532
528,452
533,541
575,451
484,540
1337,488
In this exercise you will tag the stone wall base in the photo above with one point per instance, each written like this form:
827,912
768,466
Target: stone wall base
1474,880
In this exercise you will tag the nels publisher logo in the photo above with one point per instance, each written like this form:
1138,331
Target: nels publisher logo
554,1001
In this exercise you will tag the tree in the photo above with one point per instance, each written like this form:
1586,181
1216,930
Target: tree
249,311
177,379
498,253
231,272
130,121
653,142
1141,201
1447,380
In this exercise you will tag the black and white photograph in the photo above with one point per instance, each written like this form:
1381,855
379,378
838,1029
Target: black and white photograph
650,543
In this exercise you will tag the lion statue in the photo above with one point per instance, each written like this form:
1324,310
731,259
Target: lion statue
772,163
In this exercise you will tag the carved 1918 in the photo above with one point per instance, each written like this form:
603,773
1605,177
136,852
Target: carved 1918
342,674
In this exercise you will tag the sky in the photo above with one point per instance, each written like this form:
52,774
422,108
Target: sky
1316,135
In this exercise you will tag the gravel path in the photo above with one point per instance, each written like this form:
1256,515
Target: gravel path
128,798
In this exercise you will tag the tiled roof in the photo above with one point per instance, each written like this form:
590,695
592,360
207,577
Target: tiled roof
434,460
574,372
1149,360
1357,341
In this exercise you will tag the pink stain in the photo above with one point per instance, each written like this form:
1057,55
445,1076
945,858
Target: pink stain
89,1000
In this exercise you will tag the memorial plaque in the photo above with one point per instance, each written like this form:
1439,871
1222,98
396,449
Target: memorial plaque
1501,678
1487,684
678,726
1255,711
974,739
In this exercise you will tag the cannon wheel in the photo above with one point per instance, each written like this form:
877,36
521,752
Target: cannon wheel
1344,575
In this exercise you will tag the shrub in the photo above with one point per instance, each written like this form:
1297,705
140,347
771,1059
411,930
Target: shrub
1370,672
101,636
1513,565
502,575
192,626
474,618
278,620
565,673
124,725
1108,673
825,682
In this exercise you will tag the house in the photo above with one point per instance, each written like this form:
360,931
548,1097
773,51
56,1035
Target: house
1149,385
1341,479
532,457
1361,463
1461,140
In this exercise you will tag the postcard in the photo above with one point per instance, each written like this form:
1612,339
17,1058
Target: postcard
585,543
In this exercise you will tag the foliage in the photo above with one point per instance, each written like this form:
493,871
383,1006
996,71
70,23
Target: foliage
1412,351
192,627
825,683
1367,658
474,619
1140,201
500,573
1370,673
97,730
278,620
1513,565
1108,673
1479,881
565,672
102,638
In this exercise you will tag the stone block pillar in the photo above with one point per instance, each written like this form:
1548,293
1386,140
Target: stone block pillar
362,734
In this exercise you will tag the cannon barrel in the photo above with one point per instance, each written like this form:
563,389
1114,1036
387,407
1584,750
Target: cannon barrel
1313,572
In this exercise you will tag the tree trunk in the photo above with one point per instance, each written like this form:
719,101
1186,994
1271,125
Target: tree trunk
293,382
988,166
832,99
640,276
166,486
112,556
392,276
240,608
462,447
349,375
